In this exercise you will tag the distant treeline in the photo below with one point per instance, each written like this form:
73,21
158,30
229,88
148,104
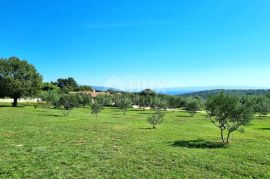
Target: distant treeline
207,93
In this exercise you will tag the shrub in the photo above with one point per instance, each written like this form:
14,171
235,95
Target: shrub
125,103
156,118
96,108
67,103
50,97
193,105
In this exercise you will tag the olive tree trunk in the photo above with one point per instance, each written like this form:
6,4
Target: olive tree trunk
228,137
222,136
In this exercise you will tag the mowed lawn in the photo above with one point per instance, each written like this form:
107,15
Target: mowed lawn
43,143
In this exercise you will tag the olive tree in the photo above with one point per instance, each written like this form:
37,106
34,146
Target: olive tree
159,103
147,97
96,108
124,104
262,105
84,100
176,101
228,114
147,101
163,104
18,79
193,105
50,98
67,102
105,100
156,118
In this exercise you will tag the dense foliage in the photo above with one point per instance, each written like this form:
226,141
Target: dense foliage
84,88
50,98
261,105
84,100
67,85
124,104
193,104
18,79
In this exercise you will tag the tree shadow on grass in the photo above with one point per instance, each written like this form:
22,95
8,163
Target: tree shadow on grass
50,115
264,128
118,114
184,116
10,106
144,112
147,128
199,143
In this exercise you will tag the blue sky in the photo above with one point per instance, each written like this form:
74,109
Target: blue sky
146,43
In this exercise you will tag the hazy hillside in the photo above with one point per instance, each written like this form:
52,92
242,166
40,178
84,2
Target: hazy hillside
234,92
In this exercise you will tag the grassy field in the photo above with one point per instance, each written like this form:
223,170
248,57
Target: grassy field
43,143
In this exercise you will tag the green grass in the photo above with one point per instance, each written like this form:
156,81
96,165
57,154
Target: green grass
43,143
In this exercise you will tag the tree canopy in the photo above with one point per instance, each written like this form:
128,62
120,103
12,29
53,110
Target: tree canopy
18,79
228,113
67,84
84,88
125,103
193,105
148,92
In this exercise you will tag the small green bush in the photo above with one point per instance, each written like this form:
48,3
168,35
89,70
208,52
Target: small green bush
67,103
193,105
124,104
50,98
96,108
156,118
